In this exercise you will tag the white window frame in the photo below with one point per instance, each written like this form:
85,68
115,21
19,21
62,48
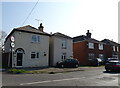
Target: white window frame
36,38
118,49
91,45
101,47
64,56
113,48
64,44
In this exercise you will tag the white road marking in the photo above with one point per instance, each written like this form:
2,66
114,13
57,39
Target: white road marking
50,81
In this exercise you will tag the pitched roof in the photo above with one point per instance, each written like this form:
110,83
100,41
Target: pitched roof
85,38
61,35
109,42
28,29
31,29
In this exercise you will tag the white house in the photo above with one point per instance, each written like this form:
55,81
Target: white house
60,48
27,47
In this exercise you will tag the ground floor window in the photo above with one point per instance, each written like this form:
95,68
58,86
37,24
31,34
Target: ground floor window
115,56
101,56
34,55
91,56
63,56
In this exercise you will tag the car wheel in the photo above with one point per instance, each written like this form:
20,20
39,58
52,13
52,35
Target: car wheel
76,65
107,70
62,66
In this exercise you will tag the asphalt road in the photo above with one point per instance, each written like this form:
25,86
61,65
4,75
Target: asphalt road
88,77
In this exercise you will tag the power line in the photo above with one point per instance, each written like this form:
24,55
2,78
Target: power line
30,12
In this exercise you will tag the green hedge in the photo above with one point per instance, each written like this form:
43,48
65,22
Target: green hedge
16,71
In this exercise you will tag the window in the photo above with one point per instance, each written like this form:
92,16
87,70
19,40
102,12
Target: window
34,55
35,38
101,56
63,56
91,45
91,56
100,46
64,44
113,48
117,49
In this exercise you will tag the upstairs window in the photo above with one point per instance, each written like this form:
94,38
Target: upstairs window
91,45
113,48
35,38
64,44
100,46
117,49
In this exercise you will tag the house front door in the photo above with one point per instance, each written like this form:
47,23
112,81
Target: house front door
19,59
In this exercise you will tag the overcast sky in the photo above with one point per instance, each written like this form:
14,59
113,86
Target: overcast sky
71,17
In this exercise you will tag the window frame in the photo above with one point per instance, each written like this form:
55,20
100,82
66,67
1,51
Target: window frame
35,39
101,47
36,55
90,55
64,44
64,56
91,45
114,48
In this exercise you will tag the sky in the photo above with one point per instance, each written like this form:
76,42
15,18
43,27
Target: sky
70,17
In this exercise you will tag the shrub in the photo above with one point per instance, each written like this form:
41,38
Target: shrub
16,71
51,72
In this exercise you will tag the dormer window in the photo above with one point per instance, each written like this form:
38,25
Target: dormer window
91,45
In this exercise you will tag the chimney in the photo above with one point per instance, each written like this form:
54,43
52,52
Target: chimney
41,27
88,34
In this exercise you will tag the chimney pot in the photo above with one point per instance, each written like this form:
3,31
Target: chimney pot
41,27
88,34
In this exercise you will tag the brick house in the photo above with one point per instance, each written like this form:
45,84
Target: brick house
86,48
112,49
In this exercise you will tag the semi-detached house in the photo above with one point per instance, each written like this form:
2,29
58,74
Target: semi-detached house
86,48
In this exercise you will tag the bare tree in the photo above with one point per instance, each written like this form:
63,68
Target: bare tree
3,34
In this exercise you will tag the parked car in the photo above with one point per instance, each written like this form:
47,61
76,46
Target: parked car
101,61
68,63
112,59
113,65
96,62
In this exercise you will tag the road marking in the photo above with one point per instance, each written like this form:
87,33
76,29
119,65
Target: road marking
50,81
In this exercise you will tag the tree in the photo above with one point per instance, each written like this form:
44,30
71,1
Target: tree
3,34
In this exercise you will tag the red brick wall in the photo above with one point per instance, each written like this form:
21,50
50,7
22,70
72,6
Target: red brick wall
80,52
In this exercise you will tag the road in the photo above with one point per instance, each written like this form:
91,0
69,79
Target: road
89,77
